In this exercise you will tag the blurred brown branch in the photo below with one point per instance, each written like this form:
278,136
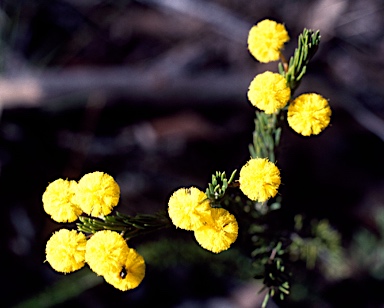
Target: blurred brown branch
223,21
148,87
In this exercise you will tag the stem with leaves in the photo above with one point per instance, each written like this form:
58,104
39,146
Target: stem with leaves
308,43
127,226
266,138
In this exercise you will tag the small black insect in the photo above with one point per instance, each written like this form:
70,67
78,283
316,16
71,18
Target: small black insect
123,273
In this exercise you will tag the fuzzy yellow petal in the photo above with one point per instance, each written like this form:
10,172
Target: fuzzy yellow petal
218,232
58,201
259,179
185,207
106,251
269,92
309,114
97,193
266,40
130,275
65,250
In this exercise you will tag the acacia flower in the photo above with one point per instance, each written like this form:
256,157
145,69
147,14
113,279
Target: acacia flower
65,250
219,231
309,114
185,207
269,92
130,274
266,40
106,251
97,193
259,179
58,201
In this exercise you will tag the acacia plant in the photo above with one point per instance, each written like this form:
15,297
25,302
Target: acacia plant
229,207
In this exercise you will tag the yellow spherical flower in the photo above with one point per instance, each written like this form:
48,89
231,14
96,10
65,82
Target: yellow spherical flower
58,201
266,40
269,92
185,207
65,250
130,275
106,251
97,193
219,231
309,114
259,179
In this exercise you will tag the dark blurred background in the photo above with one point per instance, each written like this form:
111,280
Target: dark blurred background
153,92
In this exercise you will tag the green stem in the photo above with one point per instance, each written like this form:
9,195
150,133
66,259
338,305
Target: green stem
128,226
266,136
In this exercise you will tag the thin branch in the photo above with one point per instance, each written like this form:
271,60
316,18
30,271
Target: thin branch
223,21
147,87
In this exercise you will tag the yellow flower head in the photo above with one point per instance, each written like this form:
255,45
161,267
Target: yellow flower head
219,231
131,273
266,40
269,92
259,179
65,250
185,207
309,114
106,251
97,193
58,201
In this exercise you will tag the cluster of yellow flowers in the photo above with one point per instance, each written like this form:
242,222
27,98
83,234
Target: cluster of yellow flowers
106,252
96,194
215,229
308,114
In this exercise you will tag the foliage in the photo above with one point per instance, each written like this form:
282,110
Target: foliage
271,250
